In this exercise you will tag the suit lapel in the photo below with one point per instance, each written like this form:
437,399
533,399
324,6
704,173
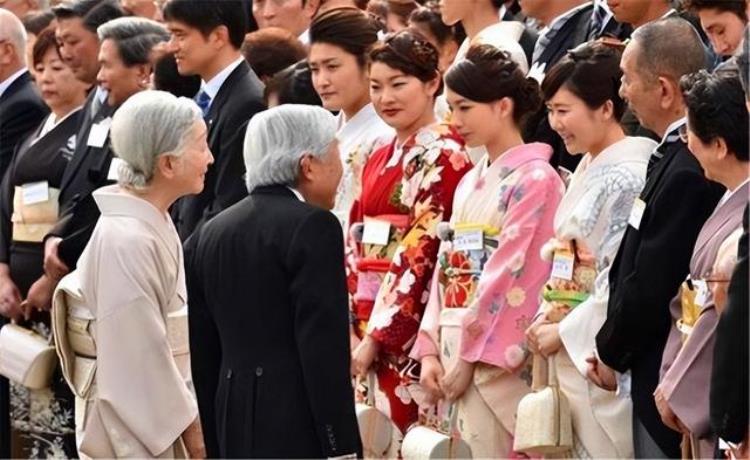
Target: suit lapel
82,148
559,43
671,151
225,92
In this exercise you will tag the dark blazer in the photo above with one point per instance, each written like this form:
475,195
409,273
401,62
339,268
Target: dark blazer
528,37
646,274
240,97
86,172
21,110
729,379
269,330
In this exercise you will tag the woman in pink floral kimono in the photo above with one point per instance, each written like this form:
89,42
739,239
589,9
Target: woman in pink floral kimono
489,275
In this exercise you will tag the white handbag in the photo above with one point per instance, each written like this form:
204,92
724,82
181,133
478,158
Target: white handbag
375,428
543,423
26,357
423,443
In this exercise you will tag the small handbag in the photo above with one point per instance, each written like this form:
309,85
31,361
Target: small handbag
423,443
26,357
543,424
375,428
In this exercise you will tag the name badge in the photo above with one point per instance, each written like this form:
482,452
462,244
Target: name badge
99,132
114,168
35,192
562,264
468,240
636,213
701,293
376,231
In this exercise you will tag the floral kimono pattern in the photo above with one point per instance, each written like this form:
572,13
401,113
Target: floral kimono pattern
410,189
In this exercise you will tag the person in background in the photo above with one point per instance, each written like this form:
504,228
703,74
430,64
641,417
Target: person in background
340,42
717,134
20,8
35,23
407,186
397,17
269,341
271,50
292,85
581,92
166,77
294,16
131,283
446,39
723,21
148,9
653,258
472,344
40,418
206,40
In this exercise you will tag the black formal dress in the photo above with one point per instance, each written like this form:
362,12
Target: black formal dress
729,377
42,420
650,265
269,329
238,99
21,110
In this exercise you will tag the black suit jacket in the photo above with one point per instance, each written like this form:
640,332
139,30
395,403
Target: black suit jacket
86,172
240,97
645,275
269,330
729,379
21,110
528,37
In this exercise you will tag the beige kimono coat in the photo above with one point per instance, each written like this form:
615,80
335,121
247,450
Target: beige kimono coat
134,399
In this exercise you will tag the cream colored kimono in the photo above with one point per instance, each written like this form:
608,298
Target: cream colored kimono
120,327
594,212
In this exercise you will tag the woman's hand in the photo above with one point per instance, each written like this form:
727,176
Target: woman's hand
547,339
455,383
193,439
668,417
364,355
10,296
40,295
430,375
531,335
600,374
54,267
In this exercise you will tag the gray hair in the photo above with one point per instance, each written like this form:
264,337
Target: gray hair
669,47
12,29
134,37
277,138
146,126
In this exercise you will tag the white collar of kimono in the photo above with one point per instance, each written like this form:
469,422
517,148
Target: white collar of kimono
296,193
112,200
356,123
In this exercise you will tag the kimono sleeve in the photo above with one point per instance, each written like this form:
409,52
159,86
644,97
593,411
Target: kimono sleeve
142,393
508,291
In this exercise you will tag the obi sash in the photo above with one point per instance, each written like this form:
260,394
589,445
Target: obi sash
31,222
562,293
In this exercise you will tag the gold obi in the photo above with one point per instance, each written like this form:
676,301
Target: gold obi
693,295
570,286
31,222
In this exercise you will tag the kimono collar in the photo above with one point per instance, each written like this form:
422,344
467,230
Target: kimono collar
114,201
360,120
524,153
628,150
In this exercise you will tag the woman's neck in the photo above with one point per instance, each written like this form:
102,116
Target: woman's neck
503,142
352,110
427,119
613,135
155,195
60,111
479,19
735,175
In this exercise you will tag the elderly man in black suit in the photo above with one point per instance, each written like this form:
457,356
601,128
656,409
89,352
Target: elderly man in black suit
21,107
206,38
268,305
655,252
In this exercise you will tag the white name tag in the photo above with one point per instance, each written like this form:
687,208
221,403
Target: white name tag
35,192
376,231
114,167
562,265
468,240
636,213
99,132
701,293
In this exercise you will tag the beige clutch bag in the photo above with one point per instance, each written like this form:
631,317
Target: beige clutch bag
543,423
375,428
26,357
423,443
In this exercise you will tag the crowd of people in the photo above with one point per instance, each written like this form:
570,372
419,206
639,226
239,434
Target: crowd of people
241,228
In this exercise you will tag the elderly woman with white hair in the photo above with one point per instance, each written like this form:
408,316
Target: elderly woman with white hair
268,303
119,319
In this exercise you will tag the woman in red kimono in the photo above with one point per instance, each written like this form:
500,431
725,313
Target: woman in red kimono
407,189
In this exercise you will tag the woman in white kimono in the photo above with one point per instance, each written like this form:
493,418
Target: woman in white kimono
120,320
585,109
340,41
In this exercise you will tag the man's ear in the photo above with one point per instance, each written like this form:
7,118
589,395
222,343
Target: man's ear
668,92
306,172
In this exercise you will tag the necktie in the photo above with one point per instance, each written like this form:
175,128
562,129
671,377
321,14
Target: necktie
598,16
204,101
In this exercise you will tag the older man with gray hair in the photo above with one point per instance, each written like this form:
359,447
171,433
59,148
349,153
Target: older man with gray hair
268,303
